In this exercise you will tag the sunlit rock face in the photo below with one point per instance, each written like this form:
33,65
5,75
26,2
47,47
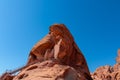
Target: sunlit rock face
55,57
48,70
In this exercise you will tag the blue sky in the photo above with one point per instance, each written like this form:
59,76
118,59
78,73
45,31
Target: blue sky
95,25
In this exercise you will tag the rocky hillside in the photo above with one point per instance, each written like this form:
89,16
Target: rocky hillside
55,57
108,72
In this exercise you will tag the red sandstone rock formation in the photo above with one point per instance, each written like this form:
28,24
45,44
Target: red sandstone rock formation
6,76
59,45
55,57
47,71
108,72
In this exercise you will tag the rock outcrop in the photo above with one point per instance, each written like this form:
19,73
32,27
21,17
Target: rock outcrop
55,57
59,45
47,71
108,72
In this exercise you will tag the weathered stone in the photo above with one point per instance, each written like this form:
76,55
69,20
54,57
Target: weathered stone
55,57
6,76
108,72
42,71
102,73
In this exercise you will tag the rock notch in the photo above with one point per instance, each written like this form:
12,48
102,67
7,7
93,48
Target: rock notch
55,57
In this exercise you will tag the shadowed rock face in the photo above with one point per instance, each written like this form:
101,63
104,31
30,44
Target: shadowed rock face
55,57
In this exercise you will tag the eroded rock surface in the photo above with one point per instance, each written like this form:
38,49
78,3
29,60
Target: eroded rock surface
47,70
55,57
108,72
59,44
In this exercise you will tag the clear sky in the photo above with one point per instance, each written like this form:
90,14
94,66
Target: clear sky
95,25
